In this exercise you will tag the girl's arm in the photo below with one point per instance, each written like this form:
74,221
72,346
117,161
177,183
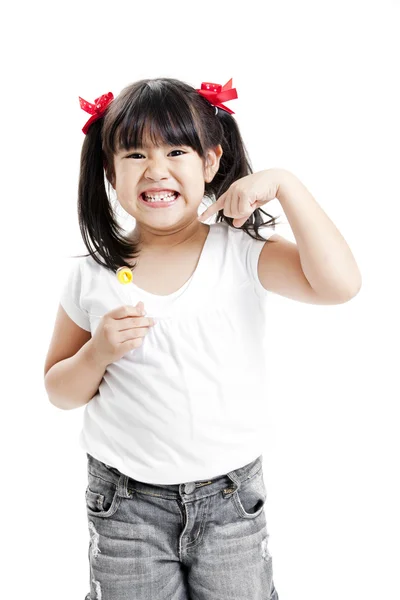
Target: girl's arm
74,381
325,256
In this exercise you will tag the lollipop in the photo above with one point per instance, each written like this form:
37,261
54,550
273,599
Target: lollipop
124,275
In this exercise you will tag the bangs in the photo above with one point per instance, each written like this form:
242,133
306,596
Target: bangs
157,117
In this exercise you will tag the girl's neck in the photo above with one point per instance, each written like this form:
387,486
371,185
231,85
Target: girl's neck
166,242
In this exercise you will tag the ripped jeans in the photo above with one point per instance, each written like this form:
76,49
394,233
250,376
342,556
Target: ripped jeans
200,540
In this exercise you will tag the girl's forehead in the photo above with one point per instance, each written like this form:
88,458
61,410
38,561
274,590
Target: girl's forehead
146,139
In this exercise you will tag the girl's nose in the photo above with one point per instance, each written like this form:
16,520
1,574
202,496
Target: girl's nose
157,169
156,174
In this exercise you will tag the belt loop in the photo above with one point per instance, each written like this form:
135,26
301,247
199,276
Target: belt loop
235,479
122,489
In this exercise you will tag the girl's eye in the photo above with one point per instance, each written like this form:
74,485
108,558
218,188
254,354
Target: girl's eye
138,154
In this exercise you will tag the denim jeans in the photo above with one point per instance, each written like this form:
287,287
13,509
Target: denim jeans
199,540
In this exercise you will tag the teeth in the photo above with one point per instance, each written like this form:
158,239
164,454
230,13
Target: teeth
159,198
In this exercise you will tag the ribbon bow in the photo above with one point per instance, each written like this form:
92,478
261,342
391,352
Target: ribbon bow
97,109
216,94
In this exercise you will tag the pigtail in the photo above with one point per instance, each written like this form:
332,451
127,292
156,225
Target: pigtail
100,231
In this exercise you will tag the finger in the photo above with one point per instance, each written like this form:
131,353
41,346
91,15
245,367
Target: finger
211,210
239,222
244,210
137,323
214,208
243,205
127,310
142,322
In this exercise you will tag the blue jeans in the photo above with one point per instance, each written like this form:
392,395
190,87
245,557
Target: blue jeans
200,540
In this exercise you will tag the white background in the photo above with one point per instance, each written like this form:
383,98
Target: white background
318,95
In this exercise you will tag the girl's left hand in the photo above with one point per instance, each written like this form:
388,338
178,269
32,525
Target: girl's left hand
245,195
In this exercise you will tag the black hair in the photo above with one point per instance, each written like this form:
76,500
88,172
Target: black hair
172,113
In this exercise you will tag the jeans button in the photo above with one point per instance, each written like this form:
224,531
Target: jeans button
189,487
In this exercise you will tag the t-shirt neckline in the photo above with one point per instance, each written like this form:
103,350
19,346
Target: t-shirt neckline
194,275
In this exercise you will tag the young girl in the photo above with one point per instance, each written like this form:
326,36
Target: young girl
167,354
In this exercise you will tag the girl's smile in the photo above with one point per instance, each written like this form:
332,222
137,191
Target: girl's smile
169,201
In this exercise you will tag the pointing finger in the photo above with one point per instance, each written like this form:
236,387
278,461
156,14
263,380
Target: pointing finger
214,208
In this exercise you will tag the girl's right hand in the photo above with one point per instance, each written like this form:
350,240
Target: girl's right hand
118,332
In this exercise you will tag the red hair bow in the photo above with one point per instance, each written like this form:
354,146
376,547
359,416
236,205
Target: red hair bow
217,93
97,109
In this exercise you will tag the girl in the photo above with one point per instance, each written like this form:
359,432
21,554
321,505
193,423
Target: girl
171,430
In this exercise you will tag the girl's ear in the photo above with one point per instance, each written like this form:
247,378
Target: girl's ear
212,162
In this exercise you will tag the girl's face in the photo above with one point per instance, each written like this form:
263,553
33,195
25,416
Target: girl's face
177,168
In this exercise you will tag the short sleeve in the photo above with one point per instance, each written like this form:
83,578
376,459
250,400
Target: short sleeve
252,257
71,294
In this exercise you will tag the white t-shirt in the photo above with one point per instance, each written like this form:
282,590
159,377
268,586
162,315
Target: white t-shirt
185,405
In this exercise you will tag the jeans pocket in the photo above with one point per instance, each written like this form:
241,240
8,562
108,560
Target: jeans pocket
249,499
102,499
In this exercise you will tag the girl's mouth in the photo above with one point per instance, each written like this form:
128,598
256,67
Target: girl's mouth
161,203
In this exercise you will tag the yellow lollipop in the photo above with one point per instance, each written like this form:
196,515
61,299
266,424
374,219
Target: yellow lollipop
124,275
